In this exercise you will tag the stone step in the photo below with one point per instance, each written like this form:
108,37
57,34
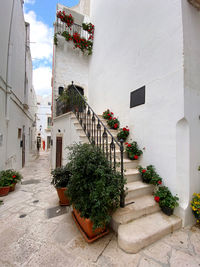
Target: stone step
138,207
132,175
137,189
129,164
144,231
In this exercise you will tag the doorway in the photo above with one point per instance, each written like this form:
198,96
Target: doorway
58,151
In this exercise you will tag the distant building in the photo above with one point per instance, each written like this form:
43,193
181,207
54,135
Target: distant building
17,95
44,121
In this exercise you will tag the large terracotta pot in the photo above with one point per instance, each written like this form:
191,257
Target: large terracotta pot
4,190
64,201
87,224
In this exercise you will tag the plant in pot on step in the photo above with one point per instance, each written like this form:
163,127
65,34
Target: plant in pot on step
94,190
107,114
166,200
113,123
133,150
123,134
14,177
61,177
195,205
149,175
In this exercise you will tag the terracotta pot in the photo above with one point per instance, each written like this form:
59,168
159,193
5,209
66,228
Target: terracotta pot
12,187
168,211
87,224
4,190
64,201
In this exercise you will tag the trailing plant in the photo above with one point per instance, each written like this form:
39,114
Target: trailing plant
165,198
68,19
94,188
113,123
123,133
55,39
9,177
85,45
61,176
133,150
195,205
149,175
107,114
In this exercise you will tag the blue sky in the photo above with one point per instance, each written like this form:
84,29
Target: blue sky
41,15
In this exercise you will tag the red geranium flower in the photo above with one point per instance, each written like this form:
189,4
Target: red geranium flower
110,118
135,157
159,182
14,176
129,145
115,125
157,199
126,143
114,118
111,113
124,129
143,171
108,114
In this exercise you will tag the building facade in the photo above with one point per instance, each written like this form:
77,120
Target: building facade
141,45
17,95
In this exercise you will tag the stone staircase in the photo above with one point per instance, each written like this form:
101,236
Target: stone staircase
140,222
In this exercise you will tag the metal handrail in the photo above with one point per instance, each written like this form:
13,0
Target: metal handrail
87,119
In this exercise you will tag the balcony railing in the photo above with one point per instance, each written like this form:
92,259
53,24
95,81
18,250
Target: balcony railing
61,27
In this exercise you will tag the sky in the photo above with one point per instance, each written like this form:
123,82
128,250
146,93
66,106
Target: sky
41,15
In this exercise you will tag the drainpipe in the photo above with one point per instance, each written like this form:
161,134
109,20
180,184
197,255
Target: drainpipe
7,86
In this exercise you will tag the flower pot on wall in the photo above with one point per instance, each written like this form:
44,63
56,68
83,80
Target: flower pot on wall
12,187
4,190
167,210
64,201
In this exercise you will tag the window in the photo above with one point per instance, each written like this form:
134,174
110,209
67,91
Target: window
49,103
49,121
19,133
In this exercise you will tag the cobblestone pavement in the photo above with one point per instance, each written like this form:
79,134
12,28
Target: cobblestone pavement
35,231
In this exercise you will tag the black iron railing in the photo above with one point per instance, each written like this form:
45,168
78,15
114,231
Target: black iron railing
61,27
97,133
61,107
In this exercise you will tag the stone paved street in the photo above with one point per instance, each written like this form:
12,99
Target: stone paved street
35,231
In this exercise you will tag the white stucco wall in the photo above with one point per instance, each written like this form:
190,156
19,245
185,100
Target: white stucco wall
13,114
140,43
69,136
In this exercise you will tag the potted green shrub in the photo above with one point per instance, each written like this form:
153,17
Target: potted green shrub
61,177
133,150
123,134
149,175
94,189
5,182
166,200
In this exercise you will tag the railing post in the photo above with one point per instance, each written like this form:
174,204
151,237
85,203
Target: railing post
122,196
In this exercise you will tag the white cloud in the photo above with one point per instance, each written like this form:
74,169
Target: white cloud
42,80
41,36
29,2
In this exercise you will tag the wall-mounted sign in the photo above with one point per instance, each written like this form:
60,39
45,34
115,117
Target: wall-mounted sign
137,97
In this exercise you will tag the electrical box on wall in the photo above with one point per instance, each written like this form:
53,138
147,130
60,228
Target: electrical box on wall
137,97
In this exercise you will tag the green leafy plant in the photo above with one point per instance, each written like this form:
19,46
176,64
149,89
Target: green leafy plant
107,114
133,150
195,205
113,123
8,177
165,198
149,175
94,188
61,176
123,134
55,39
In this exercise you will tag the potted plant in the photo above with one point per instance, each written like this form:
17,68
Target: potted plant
195,205
123,134
5,182
166,200
13,176
94,189
149,175
113,123
107,114
133,150
61,177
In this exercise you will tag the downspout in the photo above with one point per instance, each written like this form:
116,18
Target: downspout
7,86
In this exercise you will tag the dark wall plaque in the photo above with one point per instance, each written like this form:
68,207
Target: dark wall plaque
137,97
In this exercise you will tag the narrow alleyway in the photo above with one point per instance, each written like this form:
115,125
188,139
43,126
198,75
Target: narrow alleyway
35,231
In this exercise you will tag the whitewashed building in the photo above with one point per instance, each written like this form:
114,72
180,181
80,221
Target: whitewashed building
44,121
17,95
149,46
